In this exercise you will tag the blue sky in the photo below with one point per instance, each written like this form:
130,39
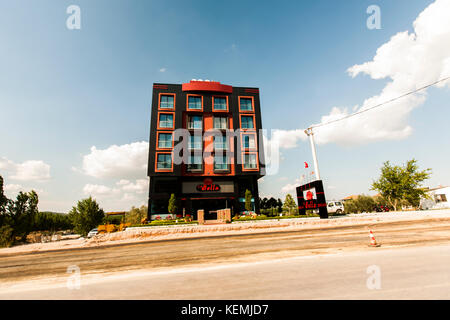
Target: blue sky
64,91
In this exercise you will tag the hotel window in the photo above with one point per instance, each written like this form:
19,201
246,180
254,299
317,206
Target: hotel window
166,120
195,122
194,103
247,122
167,102
195,143
246,104
249,141
220,122
220,163
220,104
164,161
250,161
220,143
165,140
194,163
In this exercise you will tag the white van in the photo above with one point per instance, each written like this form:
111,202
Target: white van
335,207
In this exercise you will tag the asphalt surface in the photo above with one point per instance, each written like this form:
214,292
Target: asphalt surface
404,273
309,264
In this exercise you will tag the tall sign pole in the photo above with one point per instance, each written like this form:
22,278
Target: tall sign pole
309,132
305,198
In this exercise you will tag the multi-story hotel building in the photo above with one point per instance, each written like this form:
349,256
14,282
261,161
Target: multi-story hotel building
205,147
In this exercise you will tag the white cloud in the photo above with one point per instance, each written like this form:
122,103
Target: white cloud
140,187
124,161
290,187
122,196
410,61
30,170
96,190
13,188
287,139
127,165
123,182
279,139
162,70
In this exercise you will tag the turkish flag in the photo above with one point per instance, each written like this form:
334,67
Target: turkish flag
306,165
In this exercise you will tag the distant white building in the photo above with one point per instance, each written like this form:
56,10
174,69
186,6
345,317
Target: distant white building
439,199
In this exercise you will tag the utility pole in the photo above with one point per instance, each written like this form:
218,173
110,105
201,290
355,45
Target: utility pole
309,132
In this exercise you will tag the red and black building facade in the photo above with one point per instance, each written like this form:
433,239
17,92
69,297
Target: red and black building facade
205,147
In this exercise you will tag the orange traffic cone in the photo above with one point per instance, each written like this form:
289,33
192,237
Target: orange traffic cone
373,242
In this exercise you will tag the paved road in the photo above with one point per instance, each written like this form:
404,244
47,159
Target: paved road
405,273
219,269
219,249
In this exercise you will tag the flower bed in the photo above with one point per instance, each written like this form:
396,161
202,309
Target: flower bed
263,217
165,223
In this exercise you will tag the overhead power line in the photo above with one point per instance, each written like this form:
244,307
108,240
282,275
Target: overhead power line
378,105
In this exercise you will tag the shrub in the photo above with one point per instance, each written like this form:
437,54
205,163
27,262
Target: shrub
361,204
350,206
248,200
164,223
263,217
172,207
271,212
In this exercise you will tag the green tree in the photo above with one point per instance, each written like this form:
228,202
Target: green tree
248,200
280,205
86,216
271,203
3,200
136,215
3,204
172,204
17,217
6,231
263,203
289,204
401,184
52,221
